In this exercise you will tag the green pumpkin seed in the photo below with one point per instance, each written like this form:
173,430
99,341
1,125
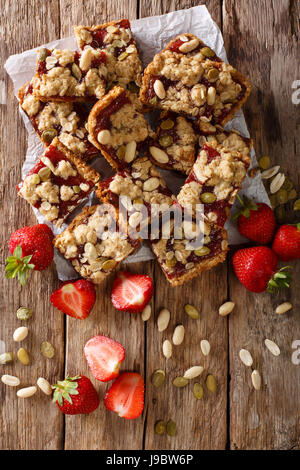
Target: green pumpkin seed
35,179
211,383
171,262
273,200
203,251
7,357
288,185
280,213
282,196
47,350
180,382
133,87
160,427
153,101
48,135
198,391
165,140
109,265
213,74
43,54
206,240
191,311
264,162
44,173
171,428
76,71
24,313
158,378
207,52
292,194
76,189
208,198
167,124
23,356
123,56
296,206
121,152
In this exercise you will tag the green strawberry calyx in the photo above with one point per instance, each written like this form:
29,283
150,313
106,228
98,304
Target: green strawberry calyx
65,388
246,206
16,265
281,278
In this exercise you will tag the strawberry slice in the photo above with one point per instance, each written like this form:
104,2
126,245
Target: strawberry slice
75,298
104,357
126,396
131,292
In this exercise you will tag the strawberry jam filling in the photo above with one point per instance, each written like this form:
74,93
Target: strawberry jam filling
174,47
64,207
103,119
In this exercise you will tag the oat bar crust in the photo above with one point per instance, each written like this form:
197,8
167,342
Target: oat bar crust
78,28
151,70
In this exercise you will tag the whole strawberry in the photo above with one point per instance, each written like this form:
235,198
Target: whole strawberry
75,395
31,248
256,269
256,221
286,242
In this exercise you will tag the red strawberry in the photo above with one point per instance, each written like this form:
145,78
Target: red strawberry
31,248
131,292
104,357
256,221
75,298
286,242
76,395
126,396
256,269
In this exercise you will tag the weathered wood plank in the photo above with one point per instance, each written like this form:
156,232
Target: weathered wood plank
201,424
264,44
23,422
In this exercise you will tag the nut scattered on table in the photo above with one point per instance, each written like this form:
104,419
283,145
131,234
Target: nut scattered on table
211,383
226,308
205,347
171,428
256,380
24,313
47,349
44,385
10,380
7,357
272,347
178,335
198,391
167,349
23,356
158,377
146,313
20,333
283,308
160,427
191,311
26,392
245,357
193,372
180,382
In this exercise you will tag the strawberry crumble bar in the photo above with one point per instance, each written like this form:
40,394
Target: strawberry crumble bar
122,59
232,140
186,247
117,128
140,190
183,79
67,121
214,181
57,183
96,242
64,75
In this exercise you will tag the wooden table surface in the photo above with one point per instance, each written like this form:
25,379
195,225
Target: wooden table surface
262,41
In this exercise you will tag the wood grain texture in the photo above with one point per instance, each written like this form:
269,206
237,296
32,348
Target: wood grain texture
264,47
23,423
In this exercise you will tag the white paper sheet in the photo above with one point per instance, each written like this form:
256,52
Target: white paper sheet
151,34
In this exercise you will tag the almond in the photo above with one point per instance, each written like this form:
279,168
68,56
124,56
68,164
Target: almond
189,46
159,155
159,89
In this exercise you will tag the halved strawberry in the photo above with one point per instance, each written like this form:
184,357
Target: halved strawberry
126,396
75,298
131,292
104,357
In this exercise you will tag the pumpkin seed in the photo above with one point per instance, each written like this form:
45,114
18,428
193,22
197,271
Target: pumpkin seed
167,124
44,385
171,262
163,319
282,196
76,71
296,206
191,311
280,213
160,427
171,428
198,391
123,56
26,392
292,194
24,313
264,162
277,182
206,240
273,200
213,74
226,308
204,250
44,173
272,347
23,356
133,87
121,152
208,198
270,172
7,357
146,313
158,378
288,185
211,383
43,54
48,135
256,379
207,52
76,189
10,380
167,349
193,372
165,140
20,333
205,347
283,308
245,357
153,101
47,349
109,264
180,382
178,335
